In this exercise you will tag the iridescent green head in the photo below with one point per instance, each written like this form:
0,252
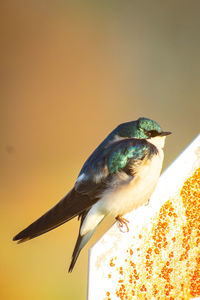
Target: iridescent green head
142,128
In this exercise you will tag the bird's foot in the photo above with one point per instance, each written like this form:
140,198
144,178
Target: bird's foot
122,221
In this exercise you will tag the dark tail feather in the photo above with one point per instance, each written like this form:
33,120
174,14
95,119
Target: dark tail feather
69,207
80,243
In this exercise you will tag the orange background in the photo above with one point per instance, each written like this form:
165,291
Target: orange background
70,73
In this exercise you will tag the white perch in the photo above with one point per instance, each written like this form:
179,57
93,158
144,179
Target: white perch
109,258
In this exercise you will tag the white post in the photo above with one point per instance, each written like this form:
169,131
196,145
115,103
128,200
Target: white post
159,258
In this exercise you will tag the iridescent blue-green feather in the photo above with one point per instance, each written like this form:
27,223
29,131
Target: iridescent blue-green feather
130,150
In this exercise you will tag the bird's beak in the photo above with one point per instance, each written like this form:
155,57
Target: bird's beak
164,133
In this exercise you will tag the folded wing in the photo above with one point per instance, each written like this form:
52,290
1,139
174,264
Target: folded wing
70,206
95,176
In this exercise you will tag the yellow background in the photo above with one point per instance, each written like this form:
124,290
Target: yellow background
70,73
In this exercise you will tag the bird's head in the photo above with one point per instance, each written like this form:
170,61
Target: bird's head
143,128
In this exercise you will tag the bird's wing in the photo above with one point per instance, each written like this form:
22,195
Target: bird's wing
70,206
103,165
95,176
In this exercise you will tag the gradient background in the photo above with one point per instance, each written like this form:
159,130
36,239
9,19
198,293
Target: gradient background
71,72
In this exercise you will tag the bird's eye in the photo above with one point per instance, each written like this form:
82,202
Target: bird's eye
153,133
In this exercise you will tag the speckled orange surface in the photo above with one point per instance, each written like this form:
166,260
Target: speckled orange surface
167,262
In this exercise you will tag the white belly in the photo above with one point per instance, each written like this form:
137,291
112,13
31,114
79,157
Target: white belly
134,193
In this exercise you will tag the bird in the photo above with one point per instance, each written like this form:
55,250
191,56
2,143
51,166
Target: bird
119,176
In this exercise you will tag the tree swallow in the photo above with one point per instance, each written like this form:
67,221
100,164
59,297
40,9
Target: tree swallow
120,175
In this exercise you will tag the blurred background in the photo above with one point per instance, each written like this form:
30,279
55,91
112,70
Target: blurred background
71,72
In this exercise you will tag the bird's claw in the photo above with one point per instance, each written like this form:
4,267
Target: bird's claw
121,222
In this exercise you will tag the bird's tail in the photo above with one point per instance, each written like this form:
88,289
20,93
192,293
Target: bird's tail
80,243
69,207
